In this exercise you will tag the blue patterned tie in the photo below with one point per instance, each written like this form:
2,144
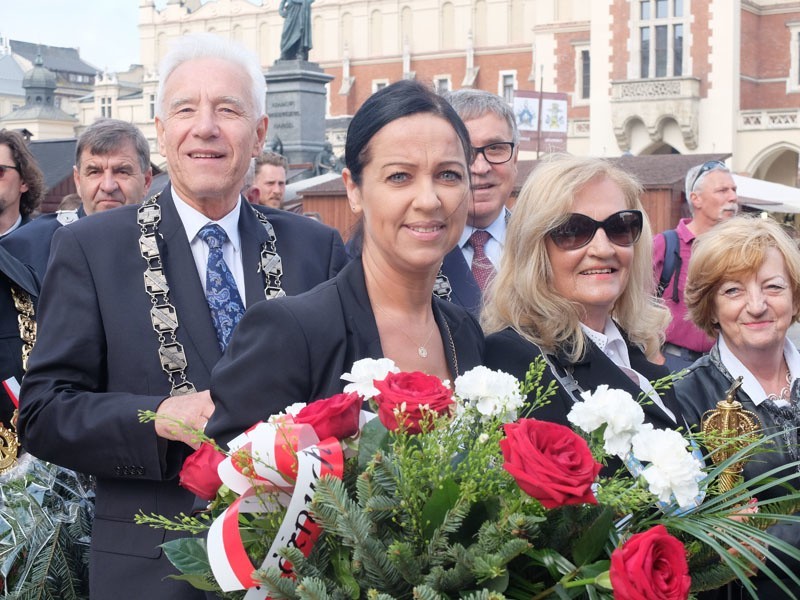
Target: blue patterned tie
222,295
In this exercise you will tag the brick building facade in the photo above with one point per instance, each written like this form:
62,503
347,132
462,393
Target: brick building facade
642,76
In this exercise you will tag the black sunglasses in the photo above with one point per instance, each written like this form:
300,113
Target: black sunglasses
3,169
705,168
623,228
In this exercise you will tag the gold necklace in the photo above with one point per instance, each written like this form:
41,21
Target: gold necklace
421,348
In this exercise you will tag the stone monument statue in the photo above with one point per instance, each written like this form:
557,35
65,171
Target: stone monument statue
325,161
296,36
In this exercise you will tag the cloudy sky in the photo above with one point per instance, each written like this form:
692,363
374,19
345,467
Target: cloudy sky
105,30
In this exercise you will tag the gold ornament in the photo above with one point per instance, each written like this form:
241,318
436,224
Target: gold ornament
731,425
9,446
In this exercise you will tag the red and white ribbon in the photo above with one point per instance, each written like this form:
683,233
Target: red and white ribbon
287,461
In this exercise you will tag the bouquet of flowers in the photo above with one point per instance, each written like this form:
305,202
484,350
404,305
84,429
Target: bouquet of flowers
437,494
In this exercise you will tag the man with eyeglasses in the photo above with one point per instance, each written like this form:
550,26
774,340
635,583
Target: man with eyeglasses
21,182
493,131
711,195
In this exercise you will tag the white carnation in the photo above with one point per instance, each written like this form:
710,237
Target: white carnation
491,393
365,372
617,410
673,470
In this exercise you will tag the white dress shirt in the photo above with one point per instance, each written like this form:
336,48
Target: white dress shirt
612,344
494,245
750,384
193,221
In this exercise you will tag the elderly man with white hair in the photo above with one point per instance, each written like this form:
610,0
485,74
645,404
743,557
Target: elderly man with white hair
140,302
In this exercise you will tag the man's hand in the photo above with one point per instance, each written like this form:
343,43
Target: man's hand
191,410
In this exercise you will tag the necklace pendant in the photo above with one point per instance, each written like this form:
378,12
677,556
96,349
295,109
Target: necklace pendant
422,351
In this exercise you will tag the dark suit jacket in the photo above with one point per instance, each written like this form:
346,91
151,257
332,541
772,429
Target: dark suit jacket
12,272
508,351
95,366
465,290
310,341
31,244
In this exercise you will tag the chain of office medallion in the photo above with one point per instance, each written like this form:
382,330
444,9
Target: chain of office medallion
9,441
163,314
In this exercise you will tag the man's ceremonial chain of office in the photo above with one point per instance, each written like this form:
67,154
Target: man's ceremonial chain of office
27,324
163,314
9,441
441,287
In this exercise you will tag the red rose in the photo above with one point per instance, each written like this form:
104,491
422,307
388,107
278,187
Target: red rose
415,395
199,473
650,566
336,416
549,462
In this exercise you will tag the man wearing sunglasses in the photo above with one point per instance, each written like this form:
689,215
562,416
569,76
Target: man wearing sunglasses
21,182
711,195
493,132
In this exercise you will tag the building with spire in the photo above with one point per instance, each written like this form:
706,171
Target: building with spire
39,114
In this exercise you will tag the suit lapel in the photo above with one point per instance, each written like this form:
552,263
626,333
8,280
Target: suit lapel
363,338
186,292
465,290
596,368
253,235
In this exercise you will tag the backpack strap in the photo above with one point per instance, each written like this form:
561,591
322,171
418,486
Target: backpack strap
672,264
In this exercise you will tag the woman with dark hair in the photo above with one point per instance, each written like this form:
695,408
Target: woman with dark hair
407,176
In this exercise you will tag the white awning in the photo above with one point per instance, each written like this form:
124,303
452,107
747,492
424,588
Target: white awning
767,195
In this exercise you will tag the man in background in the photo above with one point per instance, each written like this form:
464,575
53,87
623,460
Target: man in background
493,131
112,168
21,182
711,195
269,179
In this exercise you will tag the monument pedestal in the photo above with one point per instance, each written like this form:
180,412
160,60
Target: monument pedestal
296,107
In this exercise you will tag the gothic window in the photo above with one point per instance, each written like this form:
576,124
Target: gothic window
661,38
586,73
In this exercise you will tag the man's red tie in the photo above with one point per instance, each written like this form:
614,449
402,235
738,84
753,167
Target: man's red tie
482,268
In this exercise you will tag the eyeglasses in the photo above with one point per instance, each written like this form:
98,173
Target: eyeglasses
497,153
623,228
3,169
705,168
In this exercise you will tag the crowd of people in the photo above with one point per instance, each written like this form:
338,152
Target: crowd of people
209,306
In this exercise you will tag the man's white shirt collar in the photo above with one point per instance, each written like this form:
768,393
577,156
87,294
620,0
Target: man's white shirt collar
497,230
193,220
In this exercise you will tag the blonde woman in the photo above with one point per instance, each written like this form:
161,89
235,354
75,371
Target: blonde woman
576,285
